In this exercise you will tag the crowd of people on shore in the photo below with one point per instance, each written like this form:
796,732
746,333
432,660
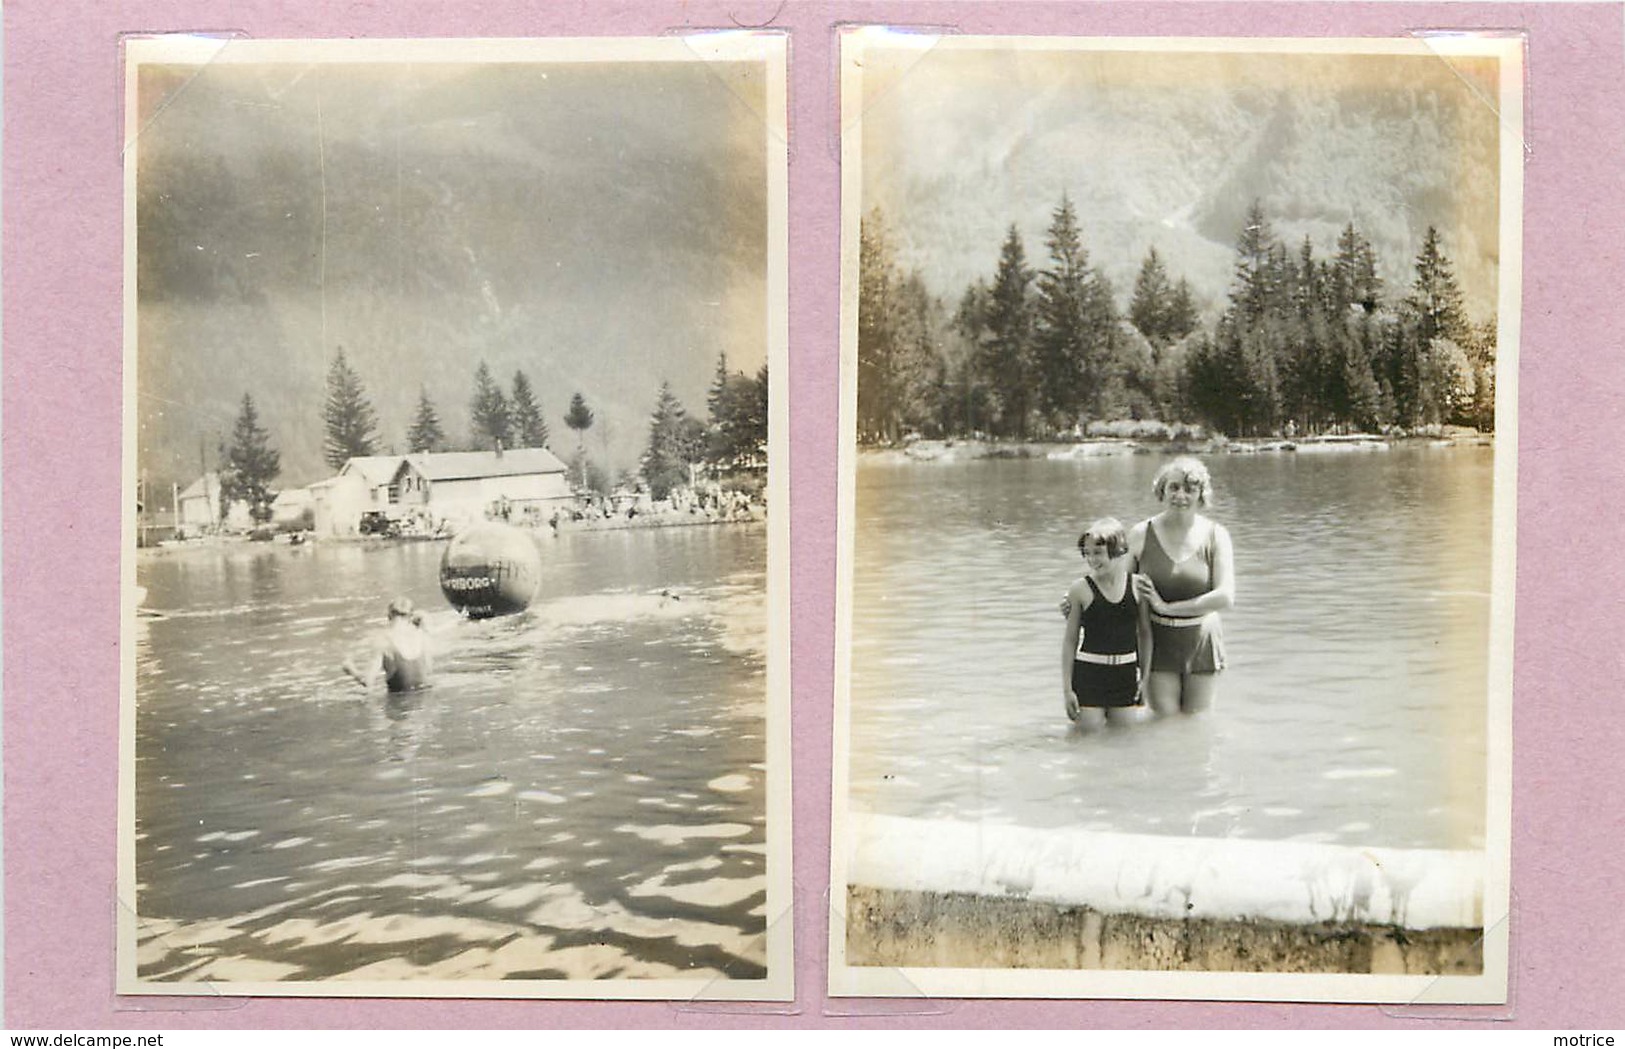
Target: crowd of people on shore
703,504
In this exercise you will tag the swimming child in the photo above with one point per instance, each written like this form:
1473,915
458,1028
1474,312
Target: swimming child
402,655
1107,649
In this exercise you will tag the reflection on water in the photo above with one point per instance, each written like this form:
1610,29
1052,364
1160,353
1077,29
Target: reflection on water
581,794
1353,709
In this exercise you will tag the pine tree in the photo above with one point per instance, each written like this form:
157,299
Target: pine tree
528,426
1151,307
1361,400
757,420
425,434
731,438
351,423
1063,336
1306,290
877,331
1435,296
972,396
1105,364
579,419
249,465
921,329
1427,360
1354,280
1252,289
1181,318
676,442
716,398
488,412
1006,352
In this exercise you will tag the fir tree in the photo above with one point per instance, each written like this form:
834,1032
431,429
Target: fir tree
1251,291
1435,297
1181,318
249,465
716,398
877,330
579,419
1306,291
676,443
757,419
488,412
1063,335
528,426
732,439
1354,280
1006,351
922,327
350,421
425,434
1151,306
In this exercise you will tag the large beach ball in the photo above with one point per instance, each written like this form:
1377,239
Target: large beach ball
490,570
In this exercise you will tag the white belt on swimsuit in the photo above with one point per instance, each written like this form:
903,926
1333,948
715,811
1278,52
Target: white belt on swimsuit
1162,620
1115,659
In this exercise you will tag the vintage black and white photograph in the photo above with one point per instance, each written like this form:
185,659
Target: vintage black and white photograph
1175,587
456,620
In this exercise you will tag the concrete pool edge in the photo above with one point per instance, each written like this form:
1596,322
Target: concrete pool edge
941,893
914,930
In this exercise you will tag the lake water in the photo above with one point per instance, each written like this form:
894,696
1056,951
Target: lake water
580,795
1353,707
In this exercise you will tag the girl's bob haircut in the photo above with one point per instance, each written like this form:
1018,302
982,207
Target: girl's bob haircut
1108,532
1192,471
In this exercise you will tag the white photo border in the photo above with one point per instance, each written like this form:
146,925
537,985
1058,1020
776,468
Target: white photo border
768,47
1487,987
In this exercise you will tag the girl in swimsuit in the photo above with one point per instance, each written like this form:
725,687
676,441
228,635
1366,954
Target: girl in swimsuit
1107,645
1186,577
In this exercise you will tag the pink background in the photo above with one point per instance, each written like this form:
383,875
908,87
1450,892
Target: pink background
62,296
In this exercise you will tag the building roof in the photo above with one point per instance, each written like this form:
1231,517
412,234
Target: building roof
207,486
460,466
374,469
326,483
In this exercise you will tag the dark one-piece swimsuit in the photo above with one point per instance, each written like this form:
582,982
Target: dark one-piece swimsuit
1183,644
1105,669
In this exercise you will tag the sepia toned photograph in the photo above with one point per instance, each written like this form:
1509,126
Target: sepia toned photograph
456,611
1186,368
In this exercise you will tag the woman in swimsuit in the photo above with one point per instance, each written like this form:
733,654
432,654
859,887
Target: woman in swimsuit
1186,577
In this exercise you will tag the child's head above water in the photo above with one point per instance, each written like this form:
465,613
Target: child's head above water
1107,532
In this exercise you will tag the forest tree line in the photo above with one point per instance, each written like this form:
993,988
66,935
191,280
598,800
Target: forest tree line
1303,343
729,444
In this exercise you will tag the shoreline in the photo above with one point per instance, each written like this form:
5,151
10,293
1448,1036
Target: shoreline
969,449
612,524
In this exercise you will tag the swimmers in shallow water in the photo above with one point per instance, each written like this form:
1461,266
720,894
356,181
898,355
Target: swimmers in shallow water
1107,649
402,656
1182,574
